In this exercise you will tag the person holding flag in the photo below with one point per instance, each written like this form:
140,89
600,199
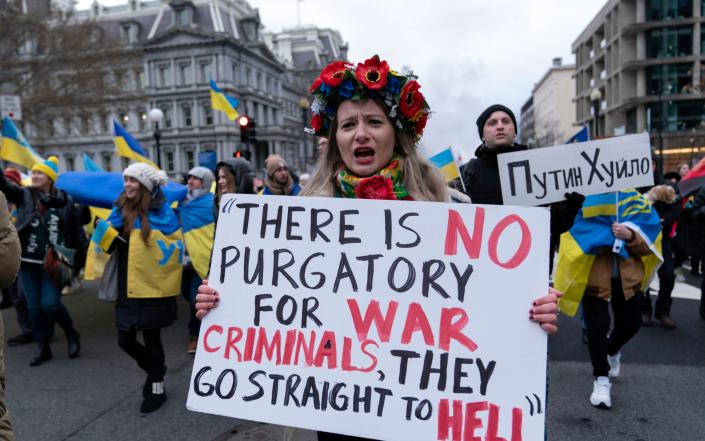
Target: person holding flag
608,256
144,234
49,231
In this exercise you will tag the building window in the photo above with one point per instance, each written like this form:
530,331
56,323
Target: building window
105,125
139,76
85,121
669,42
130,33
124,162
169,156
207,114
186,116
142,120
234,71
184,74
107,161
166,110
205,72
70,163
124,119
183,17
190,159
248,76
678,115
668,9
678,76
163,76
259,82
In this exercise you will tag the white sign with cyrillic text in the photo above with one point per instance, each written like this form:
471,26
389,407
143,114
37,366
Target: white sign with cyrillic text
544,175
391,320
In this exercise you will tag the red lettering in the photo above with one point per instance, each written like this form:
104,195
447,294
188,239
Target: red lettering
524,246
249,343
234,336
452,330
212,328
516,424
373,314
416,320
289,346
447,422
472,422
457,226
327,349
493,424
263,345
346,364
307,349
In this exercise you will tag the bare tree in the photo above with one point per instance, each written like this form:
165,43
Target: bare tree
59,64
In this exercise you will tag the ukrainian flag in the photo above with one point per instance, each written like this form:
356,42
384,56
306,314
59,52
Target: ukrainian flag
15,147
223,102
89,165
592,233
198,224
445,163
128,147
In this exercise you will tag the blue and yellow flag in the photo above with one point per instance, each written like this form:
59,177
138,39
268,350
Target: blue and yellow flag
128,147
592,233
89,165
224,103
15,147
445,163
154,268
198,223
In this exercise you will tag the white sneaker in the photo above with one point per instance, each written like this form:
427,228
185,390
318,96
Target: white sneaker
615,364
680,277
601,393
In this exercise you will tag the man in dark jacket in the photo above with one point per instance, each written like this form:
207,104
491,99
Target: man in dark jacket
497,128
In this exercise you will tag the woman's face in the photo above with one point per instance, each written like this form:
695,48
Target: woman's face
225,179
194,183
132,186
683,170
365,136
40,181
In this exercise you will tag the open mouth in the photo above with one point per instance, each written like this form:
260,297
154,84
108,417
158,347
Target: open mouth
364,152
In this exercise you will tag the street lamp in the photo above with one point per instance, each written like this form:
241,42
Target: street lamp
304,105
156,115
595,97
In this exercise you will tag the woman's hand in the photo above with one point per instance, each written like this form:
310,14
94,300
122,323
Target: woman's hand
545,311
207,298
621,231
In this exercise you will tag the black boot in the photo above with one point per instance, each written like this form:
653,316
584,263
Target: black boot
153,401
42,355
22,339
74,341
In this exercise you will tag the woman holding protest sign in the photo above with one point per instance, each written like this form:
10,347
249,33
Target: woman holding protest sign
144,236
373,118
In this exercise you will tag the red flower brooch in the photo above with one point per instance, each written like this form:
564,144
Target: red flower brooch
375,187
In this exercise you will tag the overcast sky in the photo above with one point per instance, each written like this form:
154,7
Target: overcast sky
468,54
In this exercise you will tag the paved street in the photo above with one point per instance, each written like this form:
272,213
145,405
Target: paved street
96,397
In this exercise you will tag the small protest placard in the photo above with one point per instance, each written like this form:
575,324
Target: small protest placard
386,320
545,175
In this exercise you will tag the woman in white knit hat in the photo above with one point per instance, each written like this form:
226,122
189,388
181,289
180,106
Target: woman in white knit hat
144,236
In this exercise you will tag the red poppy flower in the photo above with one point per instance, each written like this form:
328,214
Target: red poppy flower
334,73
375,187
373,73
411,99
316,84
317,122
421,123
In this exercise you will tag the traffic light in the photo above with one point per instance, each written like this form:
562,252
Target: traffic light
245,154
244,129
252,131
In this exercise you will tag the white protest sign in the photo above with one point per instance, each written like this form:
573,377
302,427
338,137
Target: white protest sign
387,320
10,107
545,175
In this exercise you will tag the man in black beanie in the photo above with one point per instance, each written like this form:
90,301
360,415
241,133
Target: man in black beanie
497,127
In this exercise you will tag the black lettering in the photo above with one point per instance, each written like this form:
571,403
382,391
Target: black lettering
459,374
277,221
260,390
388,228
527,175
259,307
291,384
308,312
275,386
383,394
334,395
224,263
316,226
593,166
428,370
404,357
365,399
281,268
281,318
344,226
197,383
246,217
302,273
258,273
429,280
485,374
311,392
344,272
461,279
290,224
410,278
219,384
370,259
401,224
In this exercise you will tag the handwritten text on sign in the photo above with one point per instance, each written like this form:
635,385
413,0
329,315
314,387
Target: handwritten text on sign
388,320
545,175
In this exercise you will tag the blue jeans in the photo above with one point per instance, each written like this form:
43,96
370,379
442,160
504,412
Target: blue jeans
43,300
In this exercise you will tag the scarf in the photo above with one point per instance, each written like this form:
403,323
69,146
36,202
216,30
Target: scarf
385,184
277,188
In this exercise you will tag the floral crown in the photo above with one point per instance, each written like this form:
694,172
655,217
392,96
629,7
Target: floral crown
340,81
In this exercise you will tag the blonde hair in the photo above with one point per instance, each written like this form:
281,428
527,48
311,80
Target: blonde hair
420,178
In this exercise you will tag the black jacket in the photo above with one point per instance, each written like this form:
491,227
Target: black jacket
481,178
26,199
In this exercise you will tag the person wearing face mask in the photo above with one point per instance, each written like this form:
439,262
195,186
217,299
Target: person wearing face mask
372,154
196,216
143,234
46,222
